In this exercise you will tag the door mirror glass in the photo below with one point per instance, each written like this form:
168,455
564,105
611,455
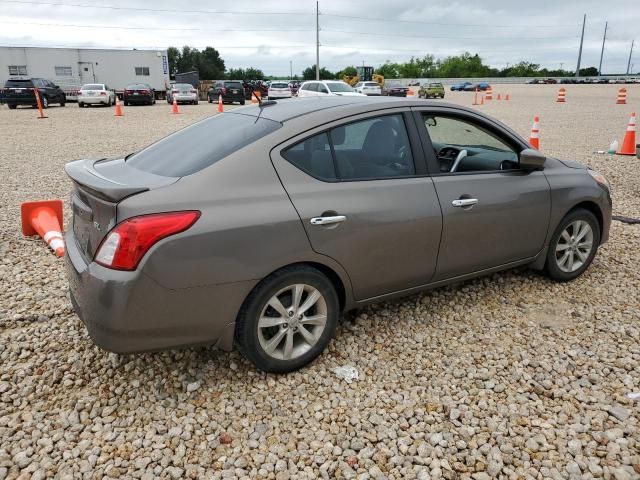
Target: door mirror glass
531,159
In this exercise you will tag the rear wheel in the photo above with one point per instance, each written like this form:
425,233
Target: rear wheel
242,102
12,106
573,246
288,319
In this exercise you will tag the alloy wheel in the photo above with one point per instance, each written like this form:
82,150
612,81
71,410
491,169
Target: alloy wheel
574,246
292,321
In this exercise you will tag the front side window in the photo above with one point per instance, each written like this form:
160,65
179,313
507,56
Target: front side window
321,88
17,69
462,146
367,149
142,71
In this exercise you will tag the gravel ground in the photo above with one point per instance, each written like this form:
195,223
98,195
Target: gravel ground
508,376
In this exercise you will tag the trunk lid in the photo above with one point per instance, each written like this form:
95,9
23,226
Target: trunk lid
99,185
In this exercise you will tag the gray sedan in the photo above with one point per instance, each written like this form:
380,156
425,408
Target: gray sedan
261,237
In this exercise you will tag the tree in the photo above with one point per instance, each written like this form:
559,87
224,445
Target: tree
250,73
309,73
347,71
588,72
173,54
521,69
389,70
209,64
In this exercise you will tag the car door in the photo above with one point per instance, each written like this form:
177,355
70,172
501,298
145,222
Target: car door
494,213
322,90
364,199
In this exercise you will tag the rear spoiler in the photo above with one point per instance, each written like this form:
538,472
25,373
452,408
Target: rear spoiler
113,180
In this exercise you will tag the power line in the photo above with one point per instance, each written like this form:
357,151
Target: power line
179,29
417,22
448,37
153,47
159,10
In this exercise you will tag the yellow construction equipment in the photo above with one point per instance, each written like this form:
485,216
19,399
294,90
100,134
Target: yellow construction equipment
364,74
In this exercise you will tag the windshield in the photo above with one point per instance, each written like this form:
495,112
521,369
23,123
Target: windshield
339,87
202,144
92,86
19,83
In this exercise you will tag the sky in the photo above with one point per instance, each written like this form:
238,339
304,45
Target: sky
277,35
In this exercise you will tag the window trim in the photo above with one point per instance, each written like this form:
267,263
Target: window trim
419,162
142,70
17,69
66,69
507,136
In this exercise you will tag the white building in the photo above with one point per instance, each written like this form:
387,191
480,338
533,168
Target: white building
72,67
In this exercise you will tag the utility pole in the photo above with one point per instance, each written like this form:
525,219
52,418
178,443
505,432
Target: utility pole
561,65
317,41
290,69
630,53
584,20
604,38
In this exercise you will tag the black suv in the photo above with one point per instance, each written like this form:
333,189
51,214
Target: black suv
19,91
231,91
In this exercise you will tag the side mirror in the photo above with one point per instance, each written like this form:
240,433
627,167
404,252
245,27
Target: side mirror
531,159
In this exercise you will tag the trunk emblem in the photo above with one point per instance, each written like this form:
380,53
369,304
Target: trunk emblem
97,225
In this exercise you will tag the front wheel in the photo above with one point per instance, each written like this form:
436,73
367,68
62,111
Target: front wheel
288,319
241,102
573,246
12,106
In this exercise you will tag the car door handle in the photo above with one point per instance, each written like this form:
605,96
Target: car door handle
328,220
464,202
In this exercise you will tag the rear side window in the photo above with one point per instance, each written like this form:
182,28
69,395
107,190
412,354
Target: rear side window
373,148
313,156
202,144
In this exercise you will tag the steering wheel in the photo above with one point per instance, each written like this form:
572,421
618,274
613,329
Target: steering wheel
456,162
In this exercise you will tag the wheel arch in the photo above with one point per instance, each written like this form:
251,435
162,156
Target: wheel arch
591,207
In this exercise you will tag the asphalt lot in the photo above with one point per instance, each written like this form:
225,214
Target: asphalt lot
507,376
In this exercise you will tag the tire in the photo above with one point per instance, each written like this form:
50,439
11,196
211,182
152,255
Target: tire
251,339
210,100
62,104
563,269
12,106
80,104
126,104
241,102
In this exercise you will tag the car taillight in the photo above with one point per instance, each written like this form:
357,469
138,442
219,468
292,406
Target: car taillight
128,92
193,91
174,91
130,240
224,91
103,93
144,91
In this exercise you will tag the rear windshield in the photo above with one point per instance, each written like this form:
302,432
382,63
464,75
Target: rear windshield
371,84
202,144
19,83
436,85
183,86
232,85
279,85
92,86
137,86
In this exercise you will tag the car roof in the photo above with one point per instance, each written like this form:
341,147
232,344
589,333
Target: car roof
348,105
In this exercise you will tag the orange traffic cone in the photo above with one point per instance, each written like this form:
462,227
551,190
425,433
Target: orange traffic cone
489,93
534,139
499,97
44,219
482,100
475,97
410,92
39,103
174,107
561,95
506,97
118,108
622,96
220,107
629,142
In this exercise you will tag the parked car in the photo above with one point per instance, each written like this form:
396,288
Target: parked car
327,87
550,81
368,88
394,89
459,87
230,90
279,90
96,94
431,90
260,237
482,86
139,94
19,90
183,93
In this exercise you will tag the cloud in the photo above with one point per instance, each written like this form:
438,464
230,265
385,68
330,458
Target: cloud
269,35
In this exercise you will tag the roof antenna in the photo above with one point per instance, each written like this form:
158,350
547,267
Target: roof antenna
262,103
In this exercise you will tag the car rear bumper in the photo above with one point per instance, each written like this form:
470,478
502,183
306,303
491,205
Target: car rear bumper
185,98
397,94
131,312
138,99
93,99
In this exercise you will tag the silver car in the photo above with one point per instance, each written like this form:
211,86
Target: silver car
96,94
261,237
183,93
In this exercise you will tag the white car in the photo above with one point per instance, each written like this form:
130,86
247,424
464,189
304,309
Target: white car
183,93
368,88
96,94
279,90
315,88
